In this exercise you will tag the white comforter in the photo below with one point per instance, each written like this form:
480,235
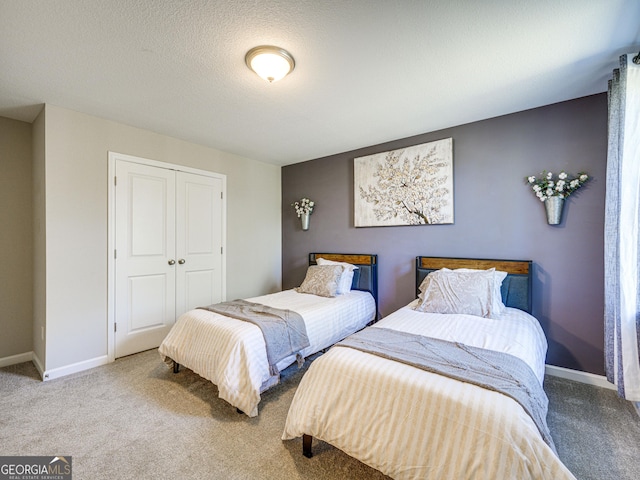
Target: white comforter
232,354
410,424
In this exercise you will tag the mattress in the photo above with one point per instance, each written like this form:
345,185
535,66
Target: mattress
409,423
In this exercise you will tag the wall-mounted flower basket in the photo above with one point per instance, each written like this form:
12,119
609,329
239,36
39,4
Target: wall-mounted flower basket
553,207
304,220
304,209
553,191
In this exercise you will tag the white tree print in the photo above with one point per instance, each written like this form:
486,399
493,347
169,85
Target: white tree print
410,187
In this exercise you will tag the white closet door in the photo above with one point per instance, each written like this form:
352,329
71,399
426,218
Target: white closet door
145,249
199,210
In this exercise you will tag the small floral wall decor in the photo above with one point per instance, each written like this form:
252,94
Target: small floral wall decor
304,209
412,186
552,191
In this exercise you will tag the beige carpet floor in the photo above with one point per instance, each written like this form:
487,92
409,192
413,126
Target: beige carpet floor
135,419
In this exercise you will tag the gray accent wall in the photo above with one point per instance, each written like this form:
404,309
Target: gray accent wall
496,216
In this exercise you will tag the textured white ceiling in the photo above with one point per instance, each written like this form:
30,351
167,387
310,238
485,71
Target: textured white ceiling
367,71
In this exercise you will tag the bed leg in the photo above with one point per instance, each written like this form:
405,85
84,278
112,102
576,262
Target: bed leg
176,367
306,445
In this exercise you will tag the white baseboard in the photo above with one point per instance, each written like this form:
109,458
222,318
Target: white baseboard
583,377
15,359
74,368
56,372
38,363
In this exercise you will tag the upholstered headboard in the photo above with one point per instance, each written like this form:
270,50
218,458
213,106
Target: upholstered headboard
365,277
516,287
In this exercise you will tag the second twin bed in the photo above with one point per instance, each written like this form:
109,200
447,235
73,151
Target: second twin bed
461,412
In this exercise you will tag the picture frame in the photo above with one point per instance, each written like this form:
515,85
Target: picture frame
409,186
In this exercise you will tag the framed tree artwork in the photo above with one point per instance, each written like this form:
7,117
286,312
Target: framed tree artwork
411,186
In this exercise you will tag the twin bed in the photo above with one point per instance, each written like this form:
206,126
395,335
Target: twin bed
397,395
232,353
412,422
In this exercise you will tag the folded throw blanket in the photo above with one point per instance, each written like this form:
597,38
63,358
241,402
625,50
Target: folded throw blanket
284,331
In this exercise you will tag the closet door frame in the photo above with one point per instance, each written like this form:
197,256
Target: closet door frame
111,240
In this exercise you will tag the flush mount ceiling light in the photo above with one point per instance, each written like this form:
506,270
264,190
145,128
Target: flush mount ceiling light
269,62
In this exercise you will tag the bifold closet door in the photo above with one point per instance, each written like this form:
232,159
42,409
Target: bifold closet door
145,256
168,251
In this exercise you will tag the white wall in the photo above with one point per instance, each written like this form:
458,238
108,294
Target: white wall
39,243
76,153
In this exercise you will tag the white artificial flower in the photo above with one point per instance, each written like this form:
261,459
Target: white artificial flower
562,187
303,206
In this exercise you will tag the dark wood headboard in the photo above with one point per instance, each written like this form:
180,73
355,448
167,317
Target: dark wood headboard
364,278
516,287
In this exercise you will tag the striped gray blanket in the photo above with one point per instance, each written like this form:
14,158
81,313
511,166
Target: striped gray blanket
489,369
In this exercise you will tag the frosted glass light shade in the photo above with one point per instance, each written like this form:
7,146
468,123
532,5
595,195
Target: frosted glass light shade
270,63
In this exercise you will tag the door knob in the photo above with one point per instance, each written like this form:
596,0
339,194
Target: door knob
172,262
181,261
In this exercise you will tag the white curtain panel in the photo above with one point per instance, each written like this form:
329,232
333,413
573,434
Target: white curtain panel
622,231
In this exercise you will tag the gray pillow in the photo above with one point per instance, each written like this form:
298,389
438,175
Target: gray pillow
321,280
467,292
346,279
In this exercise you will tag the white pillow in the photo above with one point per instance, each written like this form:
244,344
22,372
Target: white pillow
468,292
347,274
498,305
321,280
